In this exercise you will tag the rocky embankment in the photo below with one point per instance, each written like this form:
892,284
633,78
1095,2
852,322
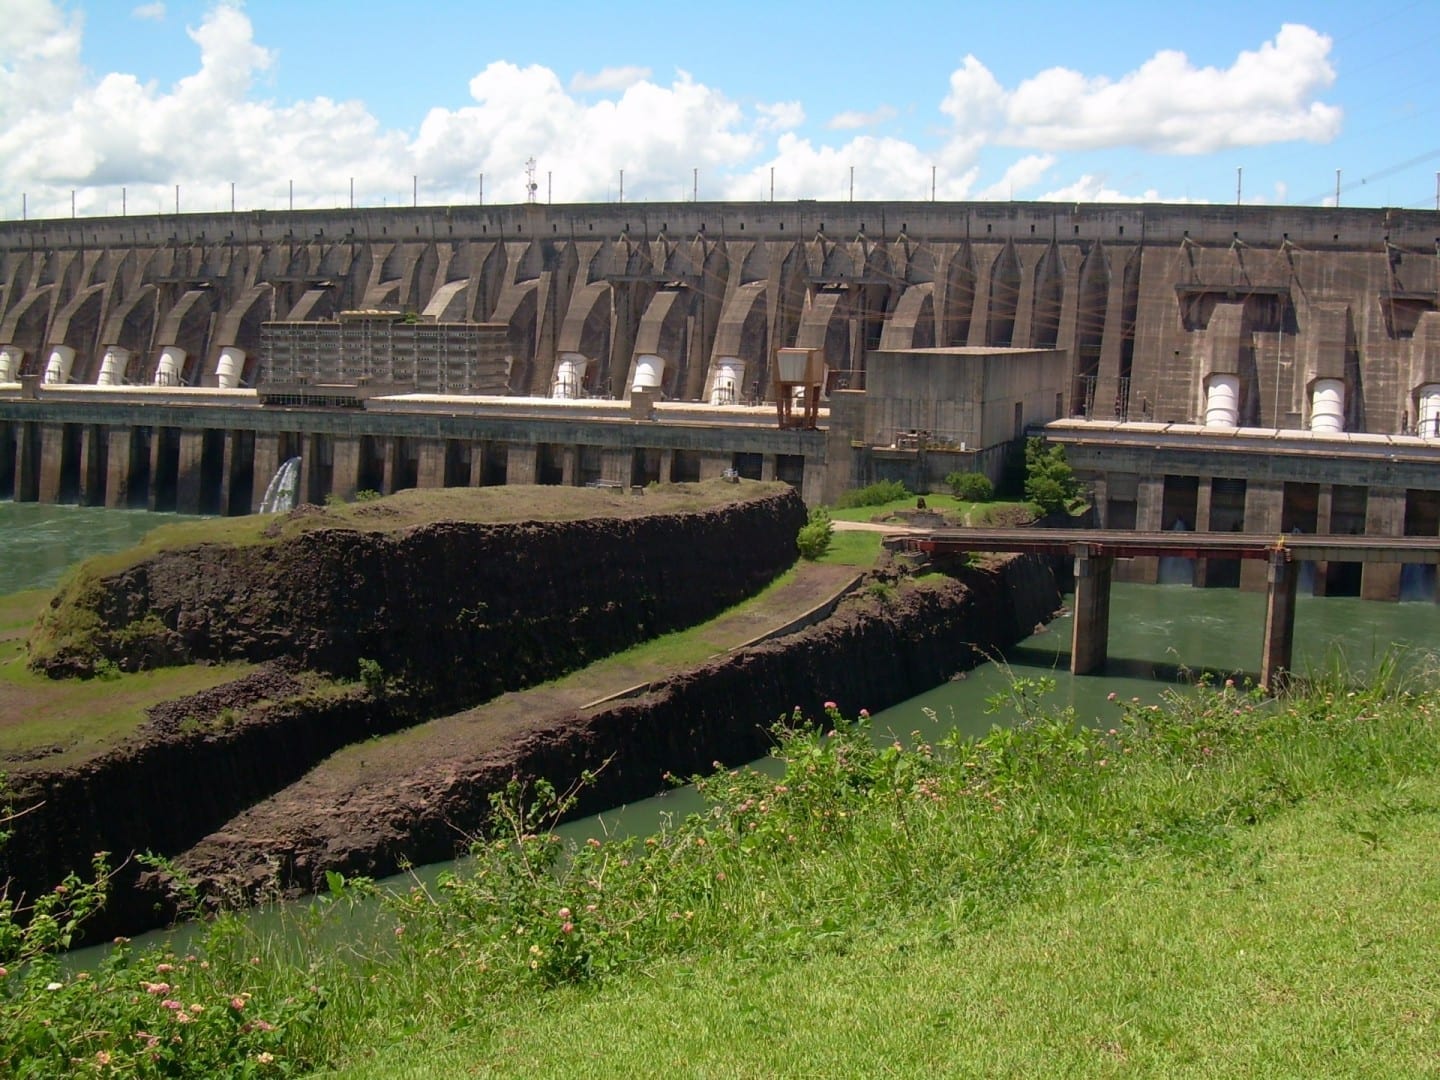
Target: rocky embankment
445,614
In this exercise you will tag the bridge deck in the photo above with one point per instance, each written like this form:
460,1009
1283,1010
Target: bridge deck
1194,545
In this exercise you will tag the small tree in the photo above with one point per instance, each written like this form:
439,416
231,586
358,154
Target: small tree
971,486
1049,481
814,537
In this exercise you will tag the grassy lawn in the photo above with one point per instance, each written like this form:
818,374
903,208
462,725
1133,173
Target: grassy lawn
1306,951
997,511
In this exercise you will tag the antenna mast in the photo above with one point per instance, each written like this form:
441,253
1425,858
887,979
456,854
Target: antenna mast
530,186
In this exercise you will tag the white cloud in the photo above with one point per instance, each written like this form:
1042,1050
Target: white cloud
154,12
780,116
849,121
608,79
62,127
1168,105
1019,177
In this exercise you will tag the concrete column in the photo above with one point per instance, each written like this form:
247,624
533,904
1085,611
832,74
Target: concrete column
1324,505
227,470
431,471
388,449
667,466
1149,512
569,465
188,475
477,463
345,480
767,467
713,466
522,461
92,465
1203,496
1090,629
1384,516
309,463
267,461
27,463
812,485
1100,488
616,465
1281,574
157,454
52,455
117,468
1264,504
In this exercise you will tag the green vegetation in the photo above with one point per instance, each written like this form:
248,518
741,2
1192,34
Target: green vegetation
1049,481
858,549
815,535
956,511
1227,885
877,494
970,486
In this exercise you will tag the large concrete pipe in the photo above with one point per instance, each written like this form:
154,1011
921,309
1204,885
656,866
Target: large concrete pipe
1327,405
11,357
649,373
729,378
1222,401
1428,418
57,370
112,366
229,367
172,364
570,376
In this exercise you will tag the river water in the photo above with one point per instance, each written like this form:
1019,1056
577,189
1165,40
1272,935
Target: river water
1160,636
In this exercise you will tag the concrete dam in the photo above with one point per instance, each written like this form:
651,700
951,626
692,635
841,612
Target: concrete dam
1256,369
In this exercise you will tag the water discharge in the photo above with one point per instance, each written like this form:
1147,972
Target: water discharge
283,490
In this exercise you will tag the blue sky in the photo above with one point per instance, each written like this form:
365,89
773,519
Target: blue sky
1025,101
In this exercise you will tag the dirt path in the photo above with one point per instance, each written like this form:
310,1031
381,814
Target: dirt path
379,786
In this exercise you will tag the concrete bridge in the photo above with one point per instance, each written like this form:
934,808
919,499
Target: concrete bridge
1095,552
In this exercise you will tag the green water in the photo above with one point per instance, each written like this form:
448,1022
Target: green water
39,543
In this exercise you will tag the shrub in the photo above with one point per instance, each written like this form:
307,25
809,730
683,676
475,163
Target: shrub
1049,481
814,537
971,486
367,495
372,676
877,494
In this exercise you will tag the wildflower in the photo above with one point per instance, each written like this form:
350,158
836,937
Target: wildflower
155,988
182,1017
164,969
592,842
1112,731
264,1057
1229,684
53,986
864,714
261,1025
830,706
564,913
567,928
171,1004
102,1057
534,950
3,972
719,875
1104,762
591,908
237,1003
1111,696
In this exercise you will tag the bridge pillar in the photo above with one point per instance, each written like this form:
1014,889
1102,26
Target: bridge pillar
52,458
27,462
1264,504
190,475
1090,632
1281,575
346,476
431,473
93,445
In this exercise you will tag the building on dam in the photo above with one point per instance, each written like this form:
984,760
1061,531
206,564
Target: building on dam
1262,369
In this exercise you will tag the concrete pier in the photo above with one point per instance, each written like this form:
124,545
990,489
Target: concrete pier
1281,575
1090,630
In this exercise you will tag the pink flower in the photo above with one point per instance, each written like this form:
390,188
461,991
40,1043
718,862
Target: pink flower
237,1003
564,913
1111,696
567,928
830,706
864,714
155,988
164,968
170,1003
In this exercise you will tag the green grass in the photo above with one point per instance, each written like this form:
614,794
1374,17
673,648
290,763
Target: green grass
858,549
1227,886
998,511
